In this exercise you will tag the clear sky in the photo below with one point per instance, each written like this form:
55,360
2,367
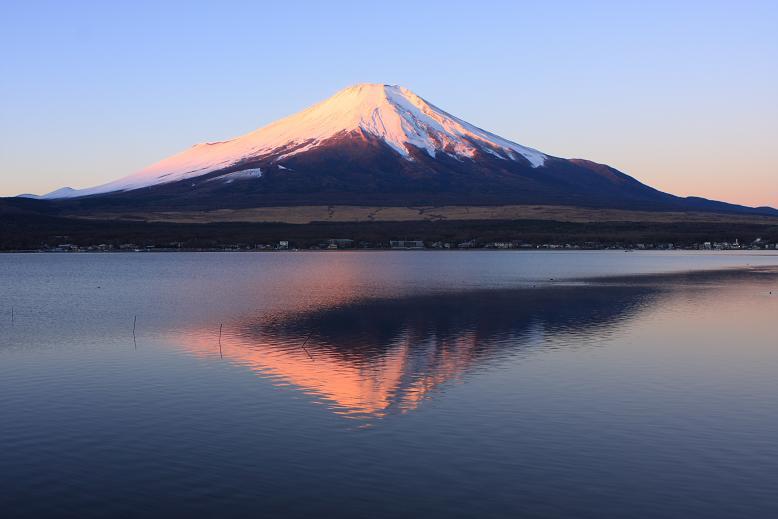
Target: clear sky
681,95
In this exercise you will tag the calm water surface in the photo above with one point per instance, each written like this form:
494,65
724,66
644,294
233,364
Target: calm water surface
382,384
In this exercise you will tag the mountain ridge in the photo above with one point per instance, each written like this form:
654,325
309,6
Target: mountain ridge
374,144
390,112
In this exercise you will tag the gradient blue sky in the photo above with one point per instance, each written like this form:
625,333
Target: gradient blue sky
681,95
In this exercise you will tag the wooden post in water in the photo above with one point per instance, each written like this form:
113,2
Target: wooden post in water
306,342
134,340
221,325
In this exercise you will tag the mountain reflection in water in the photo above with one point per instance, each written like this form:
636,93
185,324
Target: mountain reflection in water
369,358
438,386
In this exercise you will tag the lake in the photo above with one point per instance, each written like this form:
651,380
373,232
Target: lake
389,384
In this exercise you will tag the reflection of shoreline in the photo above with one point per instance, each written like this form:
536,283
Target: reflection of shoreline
693,277
376,357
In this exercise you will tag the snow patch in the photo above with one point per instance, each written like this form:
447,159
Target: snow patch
241,175
63,192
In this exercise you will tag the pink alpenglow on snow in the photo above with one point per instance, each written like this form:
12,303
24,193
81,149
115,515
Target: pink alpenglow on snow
392,113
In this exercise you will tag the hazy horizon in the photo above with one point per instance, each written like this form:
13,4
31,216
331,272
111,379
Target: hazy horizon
680,97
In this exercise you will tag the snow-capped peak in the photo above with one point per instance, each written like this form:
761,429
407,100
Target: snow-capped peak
392,113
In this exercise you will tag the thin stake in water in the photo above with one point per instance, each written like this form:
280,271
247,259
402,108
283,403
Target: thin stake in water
306,342
221,356
134,340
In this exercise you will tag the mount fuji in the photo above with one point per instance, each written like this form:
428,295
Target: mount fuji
380,145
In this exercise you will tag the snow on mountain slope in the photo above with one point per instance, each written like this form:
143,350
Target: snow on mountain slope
392,113
63,192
